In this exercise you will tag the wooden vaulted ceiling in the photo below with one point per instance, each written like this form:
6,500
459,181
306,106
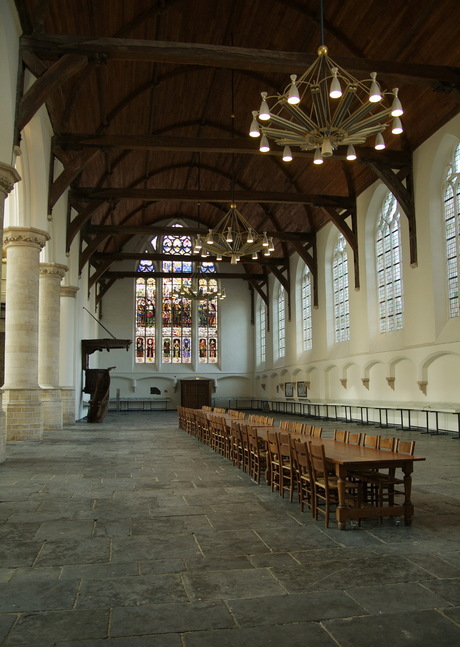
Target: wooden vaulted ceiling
150,103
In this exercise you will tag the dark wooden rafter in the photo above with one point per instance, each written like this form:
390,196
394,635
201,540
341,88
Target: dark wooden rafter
62,70
104,287
405,197
238,58
193,195
72,170
350,234
285,282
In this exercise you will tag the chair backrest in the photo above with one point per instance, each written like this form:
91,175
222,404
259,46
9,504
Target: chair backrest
387,444
301,455
318,462
298,427
307,429
341,435
241,415
405,447
272,444
266,420
284,446
371,441
219,410
284,424
206,408
354,437
317,432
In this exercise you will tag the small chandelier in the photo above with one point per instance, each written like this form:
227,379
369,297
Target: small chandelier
197,288
338,110
233,236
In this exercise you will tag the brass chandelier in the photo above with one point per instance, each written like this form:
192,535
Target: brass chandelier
326,108
197,288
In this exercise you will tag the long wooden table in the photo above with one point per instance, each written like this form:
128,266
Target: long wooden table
348,459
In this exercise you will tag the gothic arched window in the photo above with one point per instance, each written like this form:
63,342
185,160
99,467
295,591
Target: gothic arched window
281,338
388,255
181,330
340,289
306,295
452,230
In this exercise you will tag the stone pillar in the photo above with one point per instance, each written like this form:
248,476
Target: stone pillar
22,397
8,177
67,353
49,310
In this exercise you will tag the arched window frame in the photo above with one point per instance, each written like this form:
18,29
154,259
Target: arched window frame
281,323
306,288
341,302
451,217
262,331
388,266
184,331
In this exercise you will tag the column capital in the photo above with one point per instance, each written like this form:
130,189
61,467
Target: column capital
25,236
69,291
53,270
8,177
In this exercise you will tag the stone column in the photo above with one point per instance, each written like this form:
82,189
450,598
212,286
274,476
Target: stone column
67,353
49,310
22,396
8,177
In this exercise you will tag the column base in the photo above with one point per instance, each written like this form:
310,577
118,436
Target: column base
24,414
52,409
68,405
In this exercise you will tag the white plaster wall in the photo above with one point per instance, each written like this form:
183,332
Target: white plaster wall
418,365
232,375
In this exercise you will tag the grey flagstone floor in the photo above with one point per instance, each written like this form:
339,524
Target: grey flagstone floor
131,533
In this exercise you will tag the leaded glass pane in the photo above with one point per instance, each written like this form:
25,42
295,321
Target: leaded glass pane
452,231
145,319
388,265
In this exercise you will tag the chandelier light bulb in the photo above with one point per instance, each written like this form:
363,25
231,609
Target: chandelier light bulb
271,247
254,256
218,257
233,260
396,108
254,129
379,142
229,238
250,238
264,145
265,242
266,251
335,91
287,155
374,93
264,112
397,126
326,148
209,238
317,158
351,153
293,94
198,243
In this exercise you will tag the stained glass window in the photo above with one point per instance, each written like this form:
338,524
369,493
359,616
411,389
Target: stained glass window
207,318
306,289
388,255
176,332
145,318
452,231
340,288
178,324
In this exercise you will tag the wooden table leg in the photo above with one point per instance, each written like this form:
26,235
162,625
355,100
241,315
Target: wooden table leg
408,506
341,511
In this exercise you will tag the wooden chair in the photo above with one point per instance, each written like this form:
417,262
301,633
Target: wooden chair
236,443
274,463
287,477
354,437
257,455
325,488
284,424
371,441
302,467
307,429
317,432
299,427
219,410
340,435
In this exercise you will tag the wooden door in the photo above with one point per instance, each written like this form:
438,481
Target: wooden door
196,393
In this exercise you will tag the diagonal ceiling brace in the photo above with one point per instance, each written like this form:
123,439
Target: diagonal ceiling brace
404,194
